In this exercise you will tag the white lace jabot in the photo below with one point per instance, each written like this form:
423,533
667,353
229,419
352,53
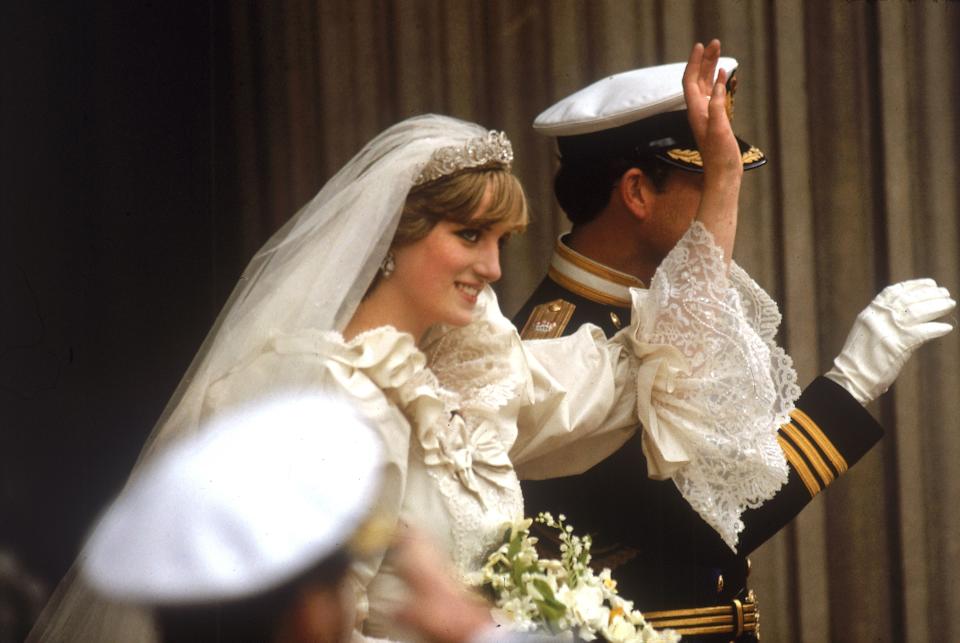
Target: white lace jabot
713,428
709,388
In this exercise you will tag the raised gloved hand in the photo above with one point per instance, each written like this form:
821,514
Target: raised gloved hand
886,333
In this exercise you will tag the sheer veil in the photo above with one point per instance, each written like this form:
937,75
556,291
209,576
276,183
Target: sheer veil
312,274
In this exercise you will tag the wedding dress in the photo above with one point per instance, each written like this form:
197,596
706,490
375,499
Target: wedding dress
460,416
470,408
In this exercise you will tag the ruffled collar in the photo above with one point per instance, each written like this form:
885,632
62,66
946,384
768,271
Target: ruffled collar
387,356
451,392
477,366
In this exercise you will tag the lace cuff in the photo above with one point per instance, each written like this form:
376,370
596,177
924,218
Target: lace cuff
713,387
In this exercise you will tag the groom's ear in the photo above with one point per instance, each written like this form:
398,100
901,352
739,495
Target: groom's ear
636,192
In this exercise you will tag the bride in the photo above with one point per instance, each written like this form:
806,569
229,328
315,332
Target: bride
379,290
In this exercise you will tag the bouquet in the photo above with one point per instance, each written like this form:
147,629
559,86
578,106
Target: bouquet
530,593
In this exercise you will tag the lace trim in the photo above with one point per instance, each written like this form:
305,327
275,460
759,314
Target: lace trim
763,315
475,362
452,406
468,461
740,386
477,518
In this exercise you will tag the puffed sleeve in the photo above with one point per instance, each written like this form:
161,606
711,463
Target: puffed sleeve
358,372
697,368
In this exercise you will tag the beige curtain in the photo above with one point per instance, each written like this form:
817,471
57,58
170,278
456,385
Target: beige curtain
855,103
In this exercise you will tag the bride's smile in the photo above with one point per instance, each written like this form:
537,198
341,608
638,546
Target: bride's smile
441,275
443,260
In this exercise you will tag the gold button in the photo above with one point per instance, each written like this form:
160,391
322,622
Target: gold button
749,565
615,319
719,583
554,308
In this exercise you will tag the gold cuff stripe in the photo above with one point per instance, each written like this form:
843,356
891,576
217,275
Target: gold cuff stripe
734,619
586,291
697,631
799,465
816,433
723,619
597,269
813,456
688,613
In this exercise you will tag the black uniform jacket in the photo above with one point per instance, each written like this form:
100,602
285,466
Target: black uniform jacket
663,555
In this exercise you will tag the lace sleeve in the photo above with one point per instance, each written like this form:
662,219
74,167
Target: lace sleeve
710,420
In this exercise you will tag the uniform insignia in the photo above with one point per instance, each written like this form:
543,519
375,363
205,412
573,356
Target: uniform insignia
548,320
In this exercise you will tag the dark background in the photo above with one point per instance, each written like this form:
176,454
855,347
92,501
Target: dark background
148,148
113,261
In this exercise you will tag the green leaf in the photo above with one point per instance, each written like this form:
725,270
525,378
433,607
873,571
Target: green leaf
549,599
515,544
551,612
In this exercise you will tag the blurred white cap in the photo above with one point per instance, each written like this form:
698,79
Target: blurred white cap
257,498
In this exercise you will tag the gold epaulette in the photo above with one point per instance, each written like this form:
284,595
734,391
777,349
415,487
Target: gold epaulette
810,453
548,320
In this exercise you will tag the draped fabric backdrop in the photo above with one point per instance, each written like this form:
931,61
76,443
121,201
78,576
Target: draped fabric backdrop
854,103
149,148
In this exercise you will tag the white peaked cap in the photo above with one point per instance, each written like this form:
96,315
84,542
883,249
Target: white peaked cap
620,99
257,498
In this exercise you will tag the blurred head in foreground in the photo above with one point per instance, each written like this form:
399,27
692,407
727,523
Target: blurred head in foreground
246,531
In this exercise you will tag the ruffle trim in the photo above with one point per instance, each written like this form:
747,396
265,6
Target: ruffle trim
450,394
712,386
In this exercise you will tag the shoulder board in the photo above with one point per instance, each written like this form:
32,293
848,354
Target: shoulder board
548,320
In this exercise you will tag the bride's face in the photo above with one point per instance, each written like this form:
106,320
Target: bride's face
442,274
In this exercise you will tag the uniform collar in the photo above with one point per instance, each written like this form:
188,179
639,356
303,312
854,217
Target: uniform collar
590,279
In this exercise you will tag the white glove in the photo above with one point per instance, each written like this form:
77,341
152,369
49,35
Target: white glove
886,333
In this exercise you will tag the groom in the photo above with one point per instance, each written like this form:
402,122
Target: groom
629,180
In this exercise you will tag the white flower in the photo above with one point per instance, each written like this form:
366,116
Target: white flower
619,630
560,596
650,635
586,604
475,579
512,617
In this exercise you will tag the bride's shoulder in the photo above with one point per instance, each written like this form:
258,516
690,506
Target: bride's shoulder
483,362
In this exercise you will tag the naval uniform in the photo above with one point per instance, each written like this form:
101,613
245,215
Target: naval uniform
665,558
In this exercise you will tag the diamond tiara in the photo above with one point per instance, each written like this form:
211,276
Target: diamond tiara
492,149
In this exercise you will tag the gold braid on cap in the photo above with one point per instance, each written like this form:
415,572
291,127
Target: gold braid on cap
492,149
693,157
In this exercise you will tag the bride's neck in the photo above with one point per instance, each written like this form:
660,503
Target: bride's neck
384,308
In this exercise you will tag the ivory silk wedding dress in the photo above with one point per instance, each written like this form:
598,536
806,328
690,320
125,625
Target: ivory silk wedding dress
471,408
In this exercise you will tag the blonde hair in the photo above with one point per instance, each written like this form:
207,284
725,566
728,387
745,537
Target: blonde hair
456,198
